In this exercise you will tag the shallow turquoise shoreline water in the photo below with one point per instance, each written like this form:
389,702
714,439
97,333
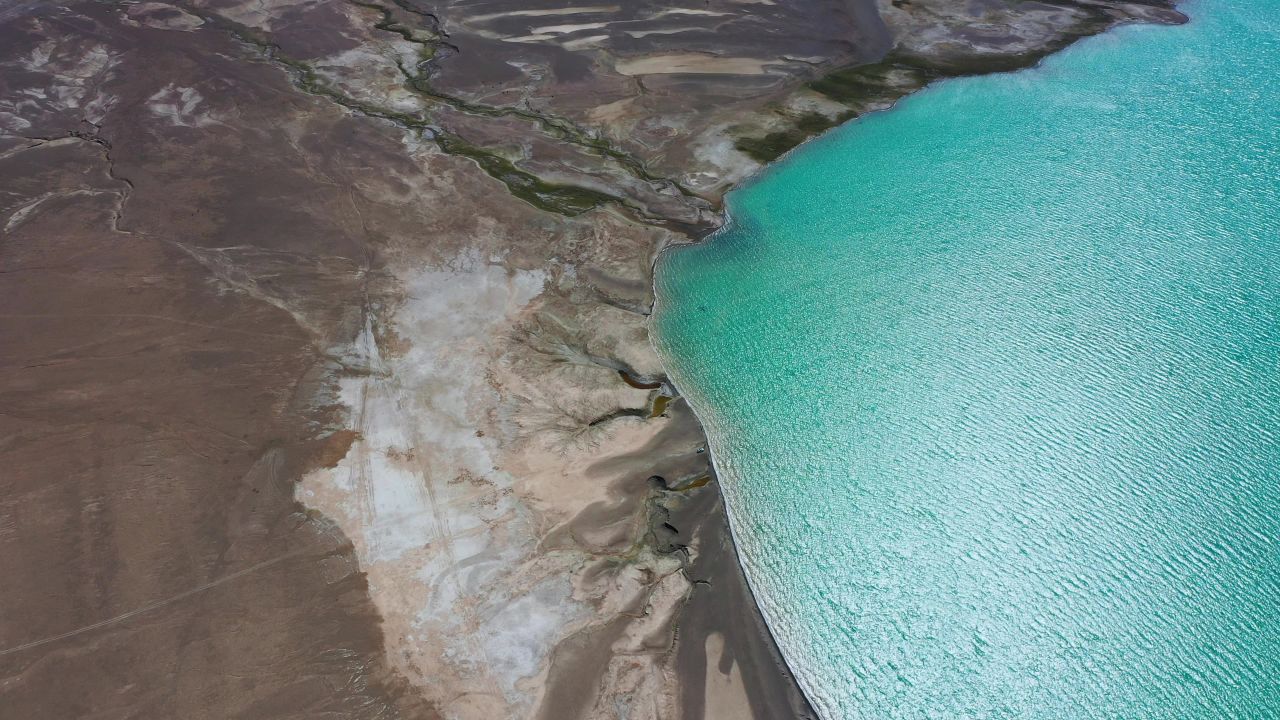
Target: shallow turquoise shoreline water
993,384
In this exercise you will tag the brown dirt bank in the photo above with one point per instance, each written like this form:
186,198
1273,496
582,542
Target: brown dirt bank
325,382
155,562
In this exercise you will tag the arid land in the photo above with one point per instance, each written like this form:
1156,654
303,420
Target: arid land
325,380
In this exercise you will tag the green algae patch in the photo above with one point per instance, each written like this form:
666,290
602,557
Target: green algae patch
660,405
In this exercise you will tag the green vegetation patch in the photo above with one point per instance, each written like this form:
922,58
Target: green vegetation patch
549,196
552,197
855,86
770,147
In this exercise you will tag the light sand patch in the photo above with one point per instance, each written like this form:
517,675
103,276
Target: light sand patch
726,694
543,13
689,11
180,106
75,78
161,17
39,145
725,162
665,31
449,489
582,43
654,630
255,13
527,38
23,213
692,63
611,112
551,32
446,545
565,29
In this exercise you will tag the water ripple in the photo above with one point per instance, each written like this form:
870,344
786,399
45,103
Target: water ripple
993,384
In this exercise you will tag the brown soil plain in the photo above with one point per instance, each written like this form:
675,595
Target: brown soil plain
325,381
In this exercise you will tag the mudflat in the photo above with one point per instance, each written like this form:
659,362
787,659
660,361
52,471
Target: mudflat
325,379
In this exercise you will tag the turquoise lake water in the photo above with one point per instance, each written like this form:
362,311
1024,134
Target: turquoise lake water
993,384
